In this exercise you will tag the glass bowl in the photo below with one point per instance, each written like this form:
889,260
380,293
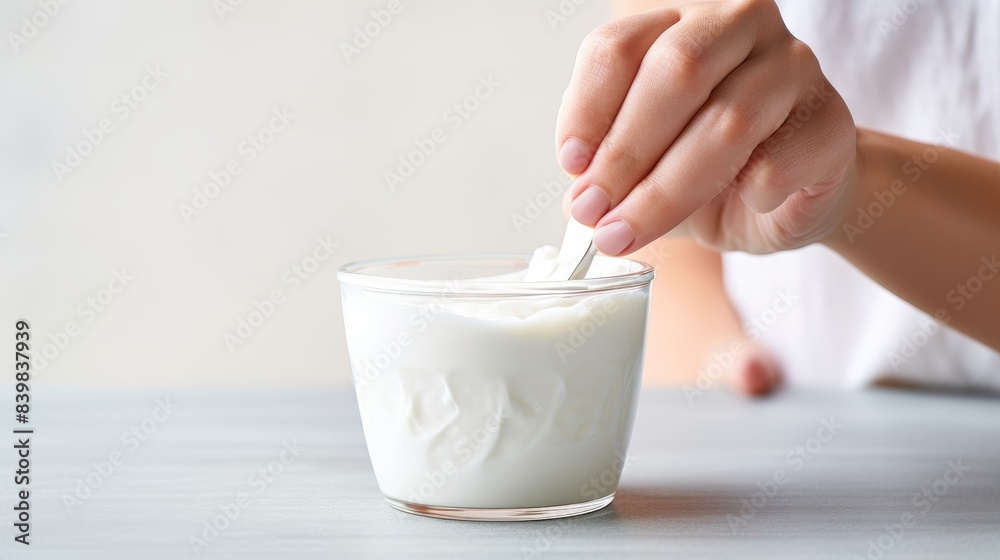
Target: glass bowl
488,398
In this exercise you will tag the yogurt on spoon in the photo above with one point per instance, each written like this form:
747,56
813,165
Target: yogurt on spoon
573,261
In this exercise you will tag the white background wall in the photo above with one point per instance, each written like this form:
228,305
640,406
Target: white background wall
63,238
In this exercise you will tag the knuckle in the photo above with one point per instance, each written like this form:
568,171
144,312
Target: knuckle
800,54
737,9
762,172
656,198
620,155
750,10
735,124
603,48
764,8
677,60
779,141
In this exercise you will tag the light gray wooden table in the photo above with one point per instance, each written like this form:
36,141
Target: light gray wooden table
694,467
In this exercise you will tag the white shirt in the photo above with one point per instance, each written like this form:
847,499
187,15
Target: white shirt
928,70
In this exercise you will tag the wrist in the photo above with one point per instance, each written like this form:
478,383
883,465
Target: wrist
866,175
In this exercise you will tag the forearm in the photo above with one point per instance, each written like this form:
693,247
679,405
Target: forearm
924,221
690,314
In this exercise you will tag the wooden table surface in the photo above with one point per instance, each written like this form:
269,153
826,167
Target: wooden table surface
899,475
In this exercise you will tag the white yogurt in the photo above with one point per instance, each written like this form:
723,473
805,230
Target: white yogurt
516,402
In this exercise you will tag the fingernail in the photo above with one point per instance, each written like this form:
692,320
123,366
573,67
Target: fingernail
592,204
574,156
613,238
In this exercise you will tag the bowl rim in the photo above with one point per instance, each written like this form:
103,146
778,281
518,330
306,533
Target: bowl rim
352,274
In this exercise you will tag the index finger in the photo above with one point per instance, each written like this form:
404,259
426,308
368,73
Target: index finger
606,65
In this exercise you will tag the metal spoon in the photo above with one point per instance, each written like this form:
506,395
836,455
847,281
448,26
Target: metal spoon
576,253
581,269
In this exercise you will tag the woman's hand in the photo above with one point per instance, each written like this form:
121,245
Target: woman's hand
711,115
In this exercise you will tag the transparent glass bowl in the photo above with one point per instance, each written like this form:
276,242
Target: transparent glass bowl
487,398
